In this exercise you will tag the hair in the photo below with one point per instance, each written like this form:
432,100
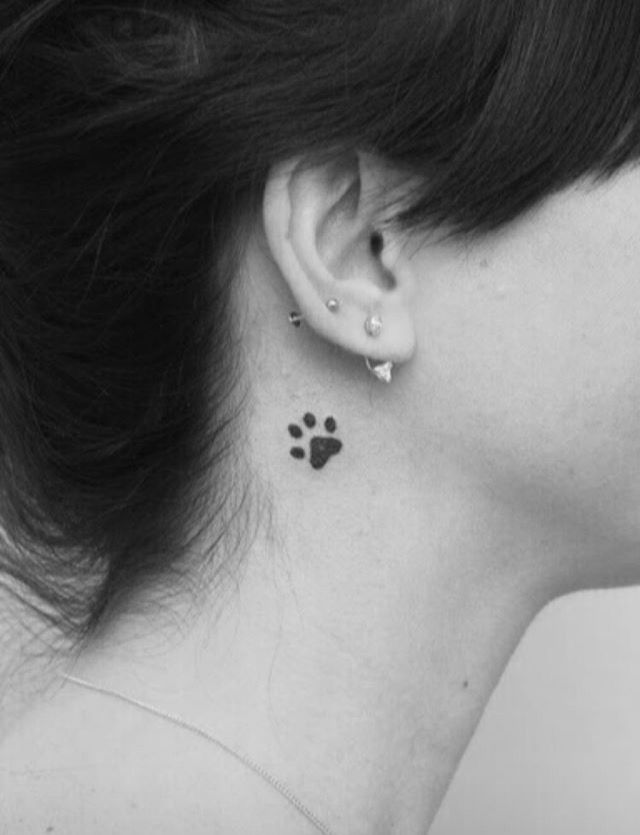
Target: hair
136,139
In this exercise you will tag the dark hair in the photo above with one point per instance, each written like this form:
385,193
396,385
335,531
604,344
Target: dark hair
136,139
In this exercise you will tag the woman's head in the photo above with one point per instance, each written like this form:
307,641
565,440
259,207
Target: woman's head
137,145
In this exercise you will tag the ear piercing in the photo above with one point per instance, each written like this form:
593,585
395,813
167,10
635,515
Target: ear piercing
333,305
382,371
373,326
295,318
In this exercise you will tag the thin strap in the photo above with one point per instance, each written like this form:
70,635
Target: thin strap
278,785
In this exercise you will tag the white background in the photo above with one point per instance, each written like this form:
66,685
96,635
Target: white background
558,749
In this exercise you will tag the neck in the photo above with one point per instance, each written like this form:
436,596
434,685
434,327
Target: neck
350,666
373,617
366,709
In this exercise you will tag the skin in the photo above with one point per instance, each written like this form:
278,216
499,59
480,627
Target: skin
383,593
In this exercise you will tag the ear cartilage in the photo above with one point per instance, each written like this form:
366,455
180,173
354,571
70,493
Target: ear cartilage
295,318
373,326
333,305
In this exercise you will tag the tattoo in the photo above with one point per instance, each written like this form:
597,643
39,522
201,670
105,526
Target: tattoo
321,447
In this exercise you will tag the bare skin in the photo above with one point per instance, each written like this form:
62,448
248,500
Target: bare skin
383,593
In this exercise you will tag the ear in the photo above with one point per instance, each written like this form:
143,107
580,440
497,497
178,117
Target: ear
321,226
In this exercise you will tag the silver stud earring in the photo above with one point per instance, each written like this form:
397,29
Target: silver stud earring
382,371
373,326
295,318
333,305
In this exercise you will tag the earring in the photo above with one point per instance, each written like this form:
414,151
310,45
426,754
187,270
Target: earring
333,305
382,371
373,326
295,318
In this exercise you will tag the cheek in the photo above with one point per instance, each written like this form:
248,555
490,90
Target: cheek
534,378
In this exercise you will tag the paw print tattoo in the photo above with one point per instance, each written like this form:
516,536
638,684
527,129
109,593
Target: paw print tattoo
321,447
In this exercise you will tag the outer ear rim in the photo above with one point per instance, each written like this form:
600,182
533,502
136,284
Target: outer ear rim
277,219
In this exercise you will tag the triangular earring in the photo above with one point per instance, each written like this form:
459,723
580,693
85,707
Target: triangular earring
382,371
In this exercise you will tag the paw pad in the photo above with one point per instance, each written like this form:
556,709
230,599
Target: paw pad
321,447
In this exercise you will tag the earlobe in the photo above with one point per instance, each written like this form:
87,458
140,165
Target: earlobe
351,285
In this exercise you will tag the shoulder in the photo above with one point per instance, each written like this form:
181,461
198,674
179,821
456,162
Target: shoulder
79,764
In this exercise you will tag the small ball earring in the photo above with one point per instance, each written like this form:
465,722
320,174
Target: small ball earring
333,305
373,326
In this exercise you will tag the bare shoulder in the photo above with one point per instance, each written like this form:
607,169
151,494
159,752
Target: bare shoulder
78,764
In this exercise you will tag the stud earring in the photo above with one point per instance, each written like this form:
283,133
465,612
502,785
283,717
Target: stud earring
382,371
333,305
373,326
295,318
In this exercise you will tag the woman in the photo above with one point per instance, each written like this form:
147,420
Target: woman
319,354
